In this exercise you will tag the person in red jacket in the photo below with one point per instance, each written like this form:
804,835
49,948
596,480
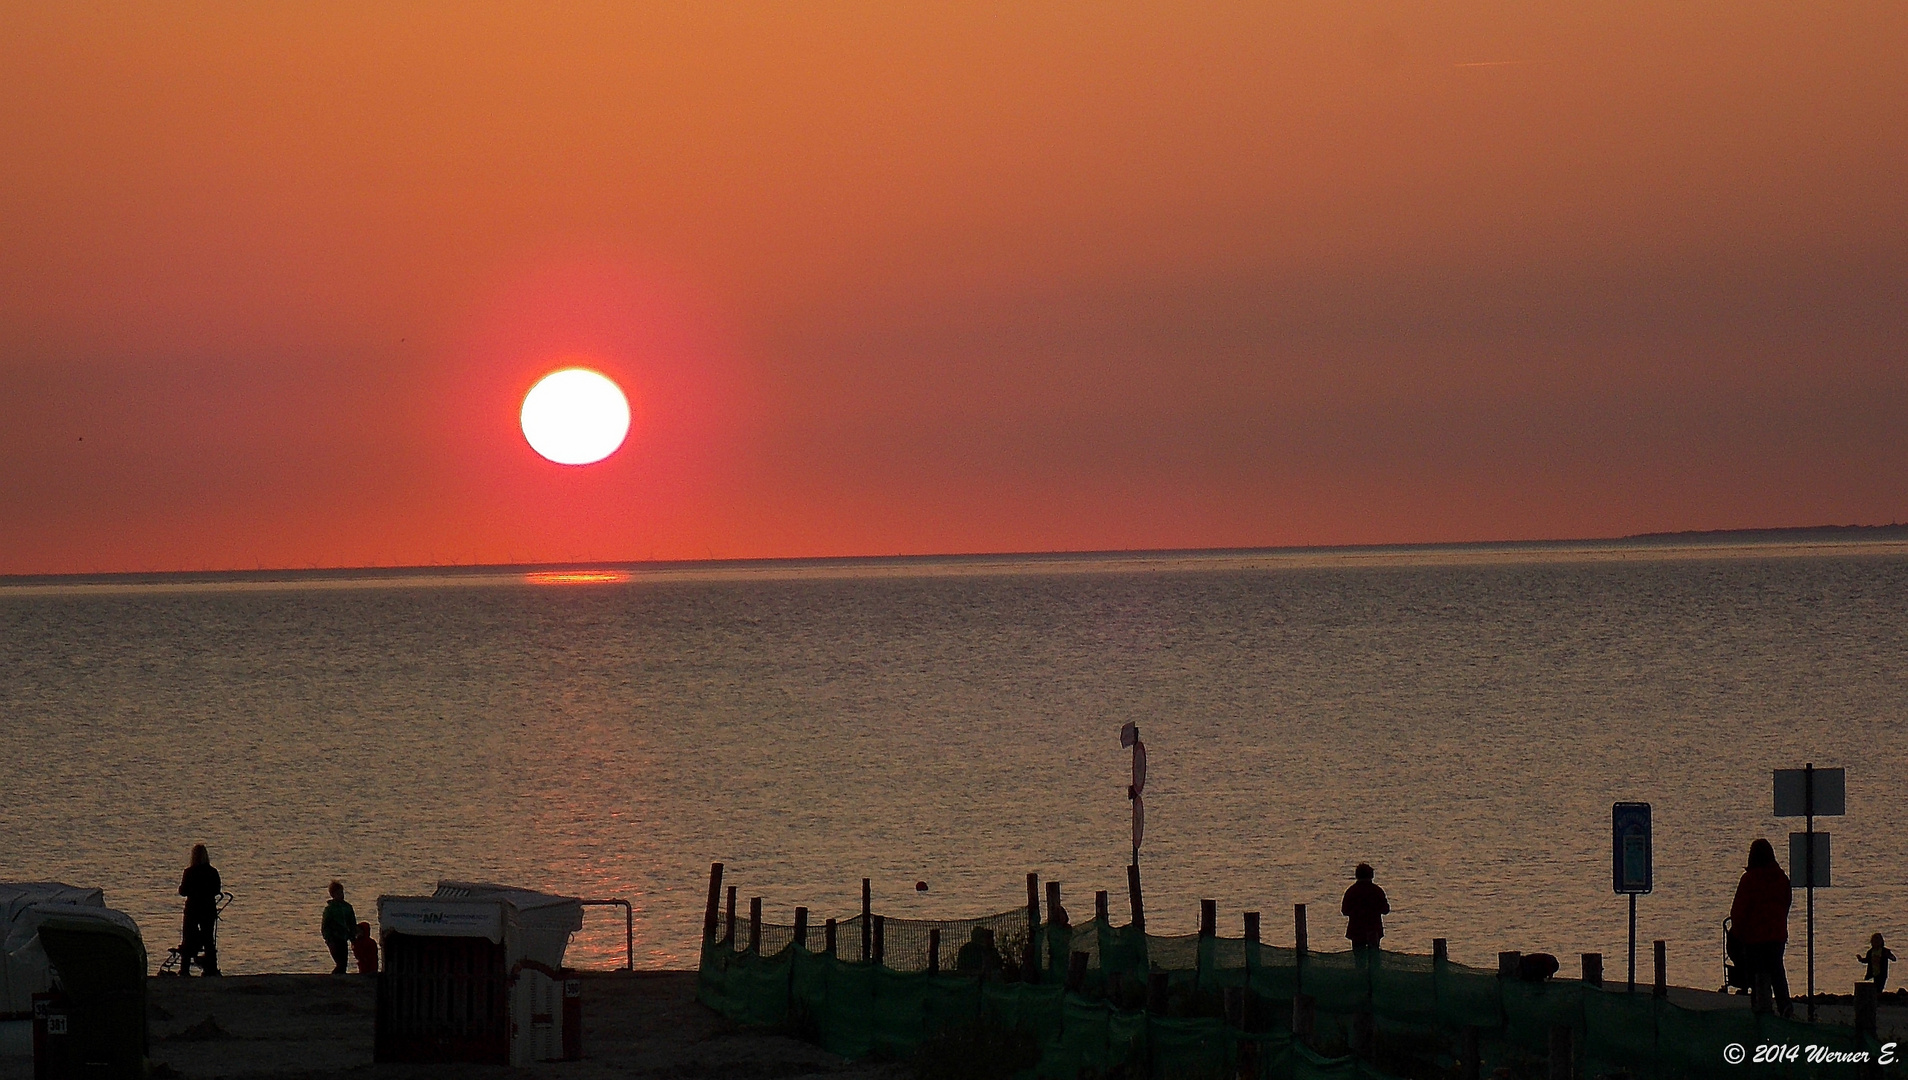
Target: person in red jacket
1759,921
1364,908
365,948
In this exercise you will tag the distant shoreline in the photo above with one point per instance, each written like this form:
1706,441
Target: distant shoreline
1860,539
1801,532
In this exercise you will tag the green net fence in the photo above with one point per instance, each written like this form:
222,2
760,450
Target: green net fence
1226,1010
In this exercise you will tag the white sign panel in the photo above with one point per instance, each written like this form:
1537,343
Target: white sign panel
431,917
1632,866
1799,864
1831,792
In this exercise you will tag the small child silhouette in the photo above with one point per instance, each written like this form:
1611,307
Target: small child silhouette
1877,958
365,948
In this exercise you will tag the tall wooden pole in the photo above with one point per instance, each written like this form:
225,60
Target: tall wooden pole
1133,897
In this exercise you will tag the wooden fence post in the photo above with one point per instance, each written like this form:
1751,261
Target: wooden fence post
1440,951
828,937
1249,1008
1057,960
755,924
934,950
880,938
1208,918
1508,962
1662,970
1099,907
1593,969
801,927
1251,947
729,936
1298,950
709,914
1866,997
867,922
1030,961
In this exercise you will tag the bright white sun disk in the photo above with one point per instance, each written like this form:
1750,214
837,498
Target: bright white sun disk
575,416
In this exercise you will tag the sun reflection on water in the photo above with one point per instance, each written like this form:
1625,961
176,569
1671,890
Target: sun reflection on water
576,577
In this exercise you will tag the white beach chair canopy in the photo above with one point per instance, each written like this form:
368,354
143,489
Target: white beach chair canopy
530,925
23,906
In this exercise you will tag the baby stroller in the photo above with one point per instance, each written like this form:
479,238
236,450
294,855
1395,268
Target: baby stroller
174,963
1735,970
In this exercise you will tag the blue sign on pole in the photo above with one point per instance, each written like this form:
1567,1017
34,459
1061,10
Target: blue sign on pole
1631,858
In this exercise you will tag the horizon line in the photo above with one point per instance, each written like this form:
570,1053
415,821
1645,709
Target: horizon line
1718,538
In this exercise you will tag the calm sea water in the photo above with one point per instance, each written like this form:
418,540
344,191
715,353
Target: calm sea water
1462,720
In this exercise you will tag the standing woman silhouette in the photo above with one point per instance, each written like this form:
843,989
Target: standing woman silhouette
201,887
1759,921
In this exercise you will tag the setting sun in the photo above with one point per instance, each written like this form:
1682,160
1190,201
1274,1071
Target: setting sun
575,416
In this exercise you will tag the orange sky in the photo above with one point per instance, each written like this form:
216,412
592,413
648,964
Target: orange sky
912,278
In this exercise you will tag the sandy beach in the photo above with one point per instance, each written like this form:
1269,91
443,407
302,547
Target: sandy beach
646,1024
309,1026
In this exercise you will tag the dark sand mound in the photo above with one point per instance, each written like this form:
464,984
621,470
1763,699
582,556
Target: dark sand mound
312,1026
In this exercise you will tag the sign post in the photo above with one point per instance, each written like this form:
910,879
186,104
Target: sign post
1632,861
1809,793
